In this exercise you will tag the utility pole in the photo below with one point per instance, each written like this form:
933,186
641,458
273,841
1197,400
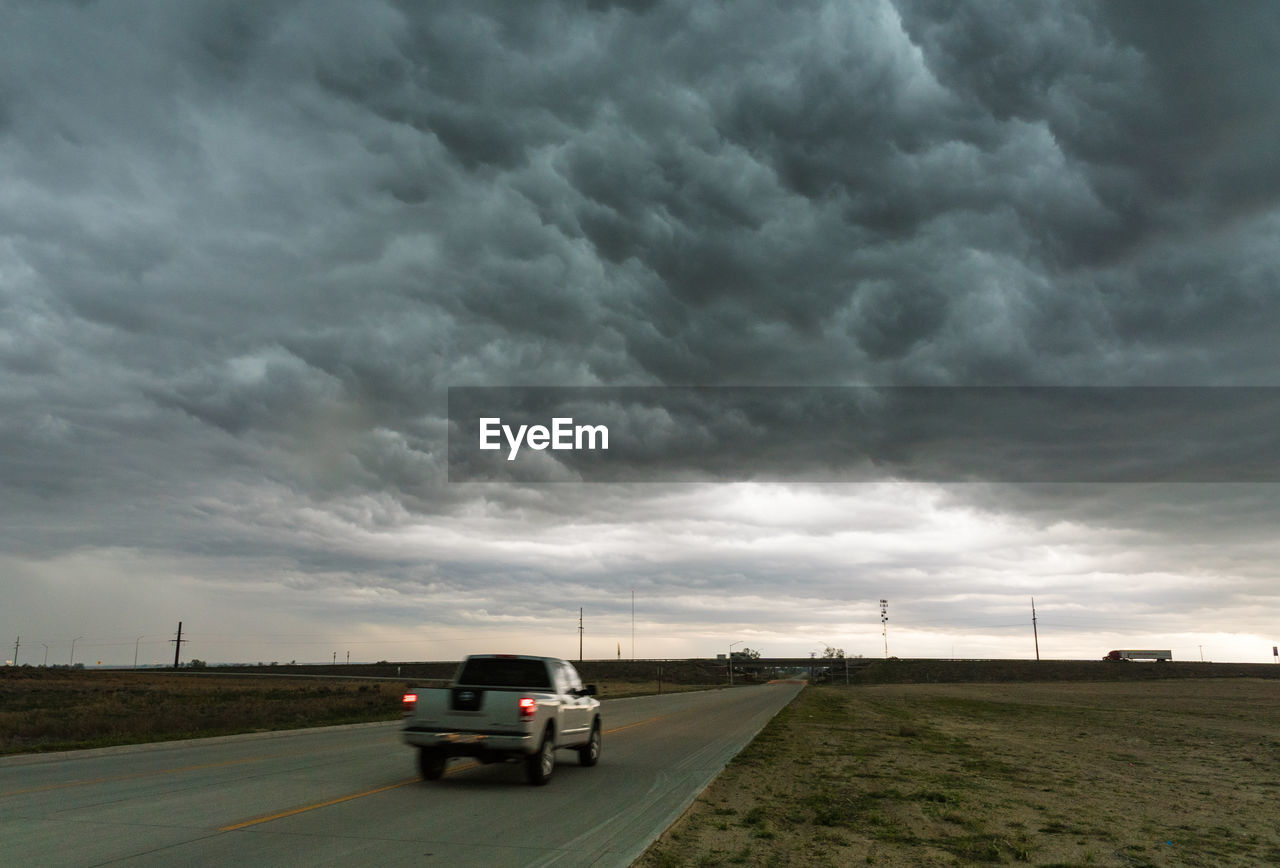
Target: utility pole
633,625
579,634
177,646
16,646
1034,631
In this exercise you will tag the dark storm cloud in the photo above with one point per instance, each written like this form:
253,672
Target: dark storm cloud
1216,113
400,198
1163,113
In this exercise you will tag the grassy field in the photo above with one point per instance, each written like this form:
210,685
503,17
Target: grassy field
1176,772
61,709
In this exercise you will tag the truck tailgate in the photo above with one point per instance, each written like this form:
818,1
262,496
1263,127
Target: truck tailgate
483,710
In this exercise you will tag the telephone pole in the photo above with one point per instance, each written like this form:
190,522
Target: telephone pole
1034,631
177,645
579,634
16,645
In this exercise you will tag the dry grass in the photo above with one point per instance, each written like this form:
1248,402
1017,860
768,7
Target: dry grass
61,709
1154,773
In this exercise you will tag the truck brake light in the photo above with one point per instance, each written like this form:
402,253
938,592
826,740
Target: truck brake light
409,701
528,708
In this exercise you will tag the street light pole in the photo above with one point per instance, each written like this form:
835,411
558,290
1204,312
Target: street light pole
73,649
731,644
135,652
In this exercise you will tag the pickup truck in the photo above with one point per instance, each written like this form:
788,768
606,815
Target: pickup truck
505,707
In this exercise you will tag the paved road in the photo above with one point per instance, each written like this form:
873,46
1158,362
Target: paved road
350,795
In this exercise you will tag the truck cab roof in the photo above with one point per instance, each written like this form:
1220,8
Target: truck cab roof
506,670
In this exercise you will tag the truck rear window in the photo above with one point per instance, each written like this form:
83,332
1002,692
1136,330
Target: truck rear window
504,672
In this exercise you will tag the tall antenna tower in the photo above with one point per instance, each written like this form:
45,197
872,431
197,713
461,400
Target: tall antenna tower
884,625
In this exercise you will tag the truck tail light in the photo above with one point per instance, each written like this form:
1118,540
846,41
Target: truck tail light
409,701
528,708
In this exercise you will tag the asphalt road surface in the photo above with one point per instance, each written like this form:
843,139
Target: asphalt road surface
351,795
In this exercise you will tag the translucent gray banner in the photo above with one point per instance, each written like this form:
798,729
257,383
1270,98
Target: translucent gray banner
853,434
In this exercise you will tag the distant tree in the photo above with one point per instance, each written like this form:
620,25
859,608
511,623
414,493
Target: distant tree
197,663
747,654
833,652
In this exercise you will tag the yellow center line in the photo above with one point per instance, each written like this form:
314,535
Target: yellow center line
453,770
630,725
305,808
135,776
302,810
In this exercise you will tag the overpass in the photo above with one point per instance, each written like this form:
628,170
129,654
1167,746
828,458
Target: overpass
754,663
836,666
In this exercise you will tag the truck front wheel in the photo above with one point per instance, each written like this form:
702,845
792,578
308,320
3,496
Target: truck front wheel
431,763
538,766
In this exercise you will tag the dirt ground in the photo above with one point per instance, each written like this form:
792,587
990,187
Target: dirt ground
1180,772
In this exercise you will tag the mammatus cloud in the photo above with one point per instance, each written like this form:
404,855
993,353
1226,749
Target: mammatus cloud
246,248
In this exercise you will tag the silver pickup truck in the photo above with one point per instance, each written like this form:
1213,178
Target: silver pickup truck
505,707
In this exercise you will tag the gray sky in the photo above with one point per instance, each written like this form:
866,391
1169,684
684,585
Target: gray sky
246,247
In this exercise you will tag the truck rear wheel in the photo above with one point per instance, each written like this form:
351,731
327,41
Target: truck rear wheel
431,763
538,766
589,754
